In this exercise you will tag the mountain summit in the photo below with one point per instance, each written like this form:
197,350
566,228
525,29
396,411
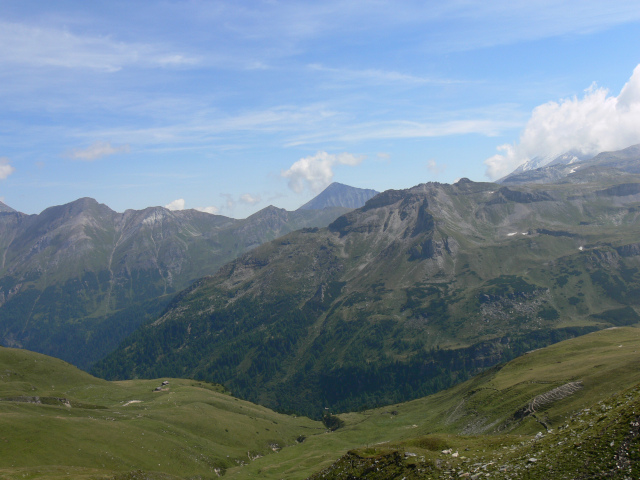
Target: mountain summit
339,195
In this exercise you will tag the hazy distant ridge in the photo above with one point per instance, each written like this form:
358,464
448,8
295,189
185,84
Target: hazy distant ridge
339,195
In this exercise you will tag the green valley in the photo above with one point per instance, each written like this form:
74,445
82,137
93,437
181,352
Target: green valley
569,406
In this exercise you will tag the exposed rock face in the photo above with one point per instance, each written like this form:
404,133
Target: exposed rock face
621,190
547,398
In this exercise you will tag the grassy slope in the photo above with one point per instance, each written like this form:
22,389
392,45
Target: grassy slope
189,430
605,362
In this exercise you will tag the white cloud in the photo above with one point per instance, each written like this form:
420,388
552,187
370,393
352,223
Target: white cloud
50,47
317,171
211,210
250,199
5,168
97,150
175,205
180,203
595,123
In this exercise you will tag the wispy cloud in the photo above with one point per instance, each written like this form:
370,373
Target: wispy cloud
434,168
407,129
284,27
206,125
97,150
594,123
50,47
317,171
375,76
249,199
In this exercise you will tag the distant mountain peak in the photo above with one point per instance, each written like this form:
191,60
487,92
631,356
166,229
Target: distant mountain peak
574,161
340,195
537,163
4,208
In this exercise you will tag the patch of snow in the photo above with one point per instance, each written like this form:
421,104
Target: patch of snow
512,234
581,248
132,401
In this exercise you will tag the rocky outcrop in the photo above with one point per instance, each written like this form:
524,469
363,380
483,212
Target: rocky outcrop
622,190
541,401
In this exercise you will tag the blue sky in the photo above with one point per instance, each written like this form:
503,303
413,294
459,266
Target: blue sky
232,106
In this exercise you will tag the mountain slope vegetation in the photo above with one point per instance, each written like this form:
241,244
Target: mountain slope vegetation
78,278
412,293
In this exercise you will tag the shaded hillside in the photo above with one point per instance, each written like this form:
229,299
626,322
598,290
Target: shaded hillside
78,278
410,294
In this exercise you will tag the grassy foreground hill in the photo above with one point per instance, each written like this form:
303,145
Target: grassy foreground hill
572,407
412,293
59,422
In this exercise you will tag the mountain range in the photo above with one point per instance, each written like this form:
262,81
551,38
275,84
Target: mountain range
78,278
409,294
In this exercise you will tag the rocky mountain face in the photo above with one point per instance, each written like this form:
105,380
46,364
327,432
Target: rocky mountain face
77,278
564,167
341,195
414,291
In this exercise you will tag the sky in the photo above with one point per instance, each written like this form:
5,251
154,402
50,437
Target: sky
229,107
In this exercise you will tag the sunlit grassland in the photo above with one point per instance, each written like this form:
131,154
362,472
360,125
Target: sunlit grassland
193,429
